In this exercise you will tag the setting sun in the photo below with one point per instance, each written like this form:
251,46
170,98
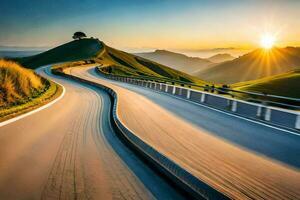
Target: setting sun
267,41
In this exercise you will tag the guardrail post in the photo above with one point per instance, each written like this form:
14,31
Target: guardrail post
174,90
268,114
297,125
166,90
234,106
188,94
160,86
202,100
259,111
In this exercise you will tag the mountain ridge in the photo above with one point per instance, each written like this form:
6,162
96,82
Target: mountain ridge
177,61
257,64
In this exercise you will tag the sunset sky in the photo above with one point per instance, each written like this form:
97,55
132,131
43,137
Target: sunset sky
145,24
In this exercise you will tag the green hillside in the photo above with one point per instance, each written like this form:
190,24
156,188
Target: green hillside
122,63
287,85
72,51
110,60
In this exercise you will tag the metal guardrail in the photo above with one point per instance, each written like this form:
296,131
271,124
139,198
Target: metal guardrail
268,114
181,177
260,97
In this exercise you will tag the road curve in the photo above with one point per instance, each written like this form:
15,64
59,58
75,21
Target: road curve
70,151
229,165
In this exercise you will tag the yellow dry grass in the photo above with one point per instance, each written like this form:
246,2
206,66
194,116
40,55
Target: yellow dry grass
17,83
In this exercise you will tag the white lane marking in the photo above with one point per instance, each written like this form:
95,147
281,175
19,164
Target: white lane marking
36,110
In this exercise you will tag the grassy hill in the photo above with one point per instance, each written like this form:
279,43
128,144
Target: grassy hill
110,59
287,84
72,51
254,65
17,83
177,61
22,90
122,63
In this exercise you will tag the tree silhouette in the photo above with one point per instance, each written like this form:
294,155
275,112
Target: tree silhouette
79,35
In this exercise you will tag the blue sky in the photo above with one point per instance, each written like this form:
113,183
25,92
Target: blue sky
142,24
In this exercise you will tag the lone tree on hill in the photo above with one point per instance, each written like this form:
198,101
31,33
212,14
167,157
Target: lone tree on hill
79,35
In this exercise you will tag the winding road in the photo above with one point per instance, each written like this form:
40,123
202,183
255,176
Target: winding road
70,151
239,158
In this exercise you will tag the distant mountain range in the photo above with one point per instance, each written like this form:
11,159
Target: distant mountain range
222,57
20,48
14,54
257,64
184,63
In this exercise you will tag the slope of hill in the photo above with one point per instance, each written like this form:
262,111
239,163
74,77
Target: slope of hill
21,90
72,51
17,83
254,65
177,61
116,61
122,63
287,84
222,57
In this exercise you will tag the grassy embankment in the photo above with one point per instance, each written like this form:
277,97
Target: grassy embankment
286,85
21,90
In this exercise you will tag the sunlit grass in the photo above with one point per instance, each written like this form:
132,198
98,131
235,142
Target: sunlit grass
17,83
283,85
22,90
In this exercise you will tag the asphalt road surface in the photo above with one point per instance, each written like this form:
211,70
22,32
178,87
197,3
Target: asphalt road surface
70,151
240,158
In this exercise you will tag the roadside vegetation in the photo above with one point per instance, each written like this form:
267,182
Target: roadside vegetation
22,90
287,84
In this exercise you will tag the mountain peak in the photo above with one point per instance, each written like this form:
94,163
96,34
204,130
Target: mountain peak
221,57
